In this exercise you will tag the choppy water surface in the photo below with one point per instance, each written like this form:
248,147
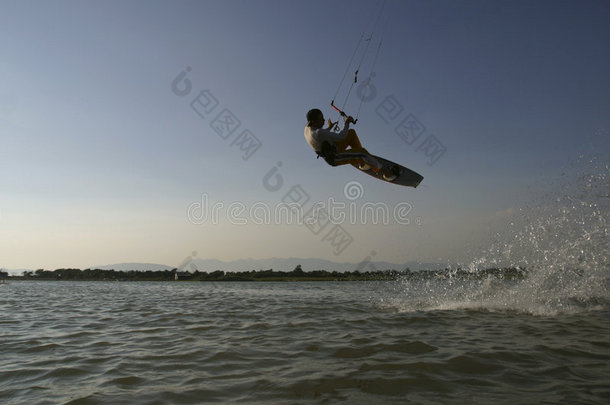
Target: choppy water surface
544,339
320,342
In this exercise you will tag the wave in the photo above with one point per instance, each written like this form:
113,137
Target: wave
561,239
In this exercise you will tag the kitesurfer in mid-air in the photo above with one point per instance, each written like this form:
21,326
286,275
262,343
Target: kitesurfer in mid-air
340,148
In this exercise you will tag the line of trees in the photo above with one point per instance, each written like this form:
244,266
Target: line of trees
267,275
99,275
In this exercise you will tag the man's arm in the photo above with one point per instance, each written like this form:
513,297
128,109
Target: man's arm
337,136
325,134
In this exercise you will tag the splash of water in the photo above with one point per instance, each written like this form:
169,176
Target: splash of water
561,240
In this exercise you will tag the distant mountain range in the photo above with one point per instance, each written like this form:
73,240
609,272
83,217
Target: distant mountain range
134,266
277,264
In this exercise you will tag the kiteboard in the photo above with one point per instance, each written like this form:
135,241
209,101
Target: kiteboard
405,177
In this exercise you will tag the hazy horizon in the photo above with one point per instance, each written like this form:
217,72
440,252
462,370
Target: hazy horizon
193,263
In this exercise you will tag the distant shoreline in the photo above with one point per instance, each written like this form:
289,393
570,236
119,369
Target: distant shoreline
265,275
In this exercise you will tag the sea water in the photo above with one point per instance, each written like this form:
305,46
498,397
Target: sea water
433,341
541,339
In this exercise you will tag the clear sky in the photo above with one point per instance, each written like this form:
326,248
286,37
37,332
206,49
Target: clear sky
100,159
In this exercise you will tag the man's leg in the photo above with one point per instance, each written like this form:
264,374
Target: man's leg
351,158
352,141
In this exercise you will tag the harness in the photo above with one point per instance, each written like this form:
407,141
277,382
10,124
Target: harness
328,153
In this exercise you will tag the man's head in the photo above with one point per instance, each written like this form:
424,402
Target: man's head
315,118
